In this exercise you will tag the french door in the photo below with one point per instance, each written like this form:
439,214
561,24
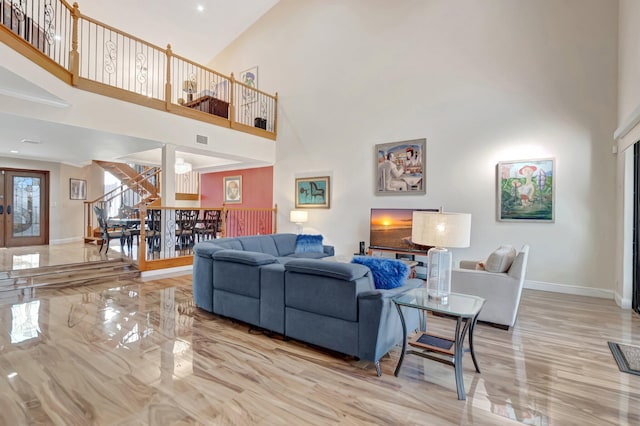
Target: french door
24,207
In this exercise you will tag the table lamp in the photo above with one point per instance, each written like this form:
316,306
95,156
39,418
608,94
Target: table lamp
189,87
440,230
298,217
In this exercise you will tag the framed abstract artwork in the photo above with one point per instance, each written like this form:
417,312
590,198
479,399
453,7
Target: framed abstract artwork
313,192
77,189
526,190
401,167
232,188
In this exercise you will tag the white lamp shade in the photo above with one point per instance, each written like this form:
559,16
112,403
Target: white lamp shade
298,216
182,167
441,229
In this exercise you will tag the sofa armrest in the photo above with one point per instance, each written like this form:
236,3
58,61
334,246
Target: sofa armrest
206,249
327,268
393,292
380,328
245,257
468,264
500,291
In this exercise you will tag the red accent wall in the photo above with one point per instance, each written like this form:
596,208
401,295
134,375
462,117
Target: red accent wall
257,188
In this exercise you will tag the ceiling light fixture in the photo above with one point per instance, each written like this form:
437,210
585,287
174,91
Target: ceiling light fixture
31,141
182,167
200,8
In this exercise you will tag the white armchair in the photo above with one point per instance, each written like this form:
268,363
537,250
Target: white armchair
501,290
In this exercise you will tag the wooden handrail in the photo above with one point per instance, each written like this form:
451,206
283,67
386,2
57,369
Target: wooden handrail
71,74
115,30
134,180
195,64
239,83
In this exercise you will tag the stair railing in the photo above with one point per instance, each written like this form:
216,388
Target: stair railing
160,247
135,186
97,57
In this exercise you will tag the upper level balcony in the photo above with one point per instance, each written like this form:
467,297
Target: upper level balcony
96,57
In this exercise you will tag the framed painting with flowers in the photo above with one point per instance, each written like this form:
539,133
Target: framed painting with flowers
526,190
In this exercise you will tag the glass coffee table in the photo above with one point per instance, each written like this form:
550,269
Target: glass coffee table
462,308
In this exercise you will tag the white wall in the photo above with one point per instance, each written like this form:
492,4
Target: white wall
483,81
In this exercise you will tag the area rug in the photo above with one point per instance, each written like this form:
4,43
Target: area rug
627,357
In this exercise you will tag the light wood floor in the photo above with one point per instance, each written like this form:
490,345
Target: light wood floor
140,353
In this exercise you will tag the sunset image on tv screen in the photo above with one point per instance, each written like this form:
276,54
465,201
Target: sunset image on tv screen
391,228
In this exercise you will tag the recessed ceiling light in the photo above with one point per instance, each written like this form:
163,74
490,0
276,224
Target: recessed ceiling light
200,8
14,151
32,142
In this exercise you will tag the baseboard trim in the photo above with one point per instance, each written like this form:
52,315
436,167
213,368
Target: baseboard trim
623,303
65,241
570,289
166,273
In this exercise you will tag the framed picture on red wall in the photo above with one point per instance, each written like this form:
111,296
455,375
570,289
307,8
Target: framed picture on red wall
232,187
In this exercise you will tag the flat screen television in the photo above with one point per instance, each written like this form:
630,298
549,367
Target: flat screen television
390,229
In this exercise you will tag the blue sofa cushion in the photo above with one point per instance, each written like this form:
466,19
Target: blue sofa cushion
246,257
327,268
387,273
309,244
285,243
259,243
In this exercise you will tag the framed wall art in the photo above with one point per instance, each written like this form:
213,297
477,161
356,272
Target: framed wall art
313,192
232,187
401,167
526,190
77,189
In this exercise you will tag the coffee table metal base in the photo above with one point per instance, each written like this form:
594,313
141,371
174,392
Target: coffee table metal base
437,351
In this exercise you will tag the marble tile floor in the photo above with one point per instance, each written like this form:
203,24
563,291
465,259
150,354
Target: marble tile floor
60,254
15,258
132,353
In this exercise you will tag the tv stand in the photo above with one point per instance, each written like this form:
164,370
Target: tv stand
400,254
409,257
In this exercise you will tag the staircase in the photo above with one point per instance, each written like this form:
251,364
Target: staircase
19,285
137,182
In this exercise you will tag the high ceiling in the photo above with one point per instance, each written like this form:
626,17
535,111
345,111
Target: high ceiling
194,34
197,35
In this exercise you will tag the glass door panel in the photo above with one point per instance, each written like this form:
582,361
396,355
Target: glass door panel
25,207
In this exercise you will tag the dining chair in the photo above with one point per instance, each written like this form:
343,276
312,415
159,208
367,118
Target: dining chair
107,234
209,228
152,230
185,228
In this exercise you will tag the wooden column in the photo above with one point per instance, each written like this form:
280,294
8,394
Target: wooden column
74,56
275,116
167,86
232,108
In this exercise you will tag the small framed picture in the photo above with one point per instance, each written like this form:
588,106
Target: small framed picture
232,189
526,190
313,192
77,189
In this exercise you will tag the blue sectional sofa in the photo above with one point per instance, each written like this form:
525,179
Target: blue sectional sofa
261,280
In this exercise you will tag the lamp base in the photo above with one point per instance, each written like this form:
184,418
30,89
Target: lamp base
439,275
